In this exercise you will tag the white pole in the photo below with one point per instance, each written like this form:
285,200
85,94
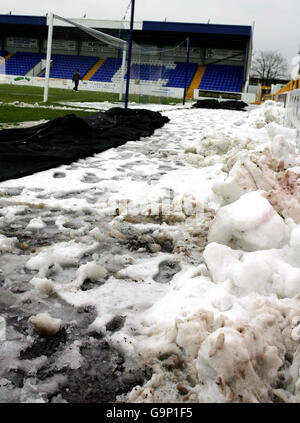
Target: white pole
122,73
48,57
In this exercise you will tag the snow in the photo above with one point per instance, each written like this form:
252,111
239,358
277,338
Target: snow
7,244
35,224
40,106
283,143
269,112
43,286
191,238
105,105
62,254
250,223
45,324
2,328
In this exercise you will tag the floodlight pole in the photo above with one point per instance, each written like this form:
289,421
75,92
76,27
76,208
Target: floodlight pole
48,57
129,54
186,68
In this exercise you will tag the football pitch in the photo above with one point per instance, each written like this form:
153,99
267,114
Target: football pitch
17,101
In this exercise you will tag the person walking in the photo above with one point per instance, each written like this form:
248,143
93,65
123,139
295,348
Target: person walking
76,78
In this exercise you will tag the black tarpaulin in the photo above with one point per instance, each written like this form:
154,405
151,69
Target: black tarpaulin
216,104
62,140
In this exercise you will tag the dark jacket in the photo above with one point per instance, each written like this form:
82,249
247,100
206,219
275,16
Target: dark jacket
76,76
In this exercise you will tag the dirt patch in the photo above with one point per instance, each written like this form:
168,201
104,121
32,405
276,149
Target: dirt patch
102,377
45,345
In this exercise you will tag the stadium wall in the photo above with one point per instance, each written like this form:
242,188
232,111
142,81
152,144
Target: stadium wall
24,44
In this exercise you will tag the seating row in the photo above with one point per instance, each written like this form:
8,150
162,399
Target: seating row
20,63
107,70
222,78
216,77
64,65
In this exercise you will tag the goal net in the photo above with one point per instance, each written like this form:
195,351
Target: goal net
157,74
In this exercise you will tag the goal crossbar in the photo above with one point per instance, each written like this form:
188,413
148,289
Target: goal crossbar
106,38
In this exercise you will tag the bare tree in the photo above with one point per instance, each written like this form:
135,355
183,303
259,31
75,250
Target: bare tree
269,66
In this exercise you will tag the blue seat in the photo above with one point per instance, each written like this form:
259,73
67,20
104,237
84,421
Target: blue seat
222,78
64,66
21,62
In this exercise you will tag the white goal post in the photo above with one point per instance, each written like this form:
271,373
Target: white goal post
108,39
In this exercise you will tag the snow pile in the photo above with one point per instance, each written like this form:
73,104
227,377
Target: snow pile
252,171
265,272
250,224
265,256
223,330
236,364
181,251
211,147
213,142
208,356
283,143
269,111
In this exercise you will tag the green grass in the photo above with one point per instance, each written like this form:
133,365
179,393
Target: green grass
29,94
11,114
33,95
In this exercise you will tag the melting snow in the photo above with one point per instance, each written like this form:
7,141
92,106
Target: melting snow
188,241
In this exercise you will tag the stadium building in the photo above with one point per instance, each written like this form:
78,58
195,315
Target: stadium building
216,64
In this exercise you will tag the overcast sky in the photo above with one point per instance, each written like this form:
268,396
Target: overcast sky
277,22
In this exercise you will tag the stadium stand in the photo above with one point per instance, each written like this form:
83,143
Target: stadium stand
64,65
20,63
106,72
222,78
219,55
93,69
176,76
171,74
146,72
216,77
195,82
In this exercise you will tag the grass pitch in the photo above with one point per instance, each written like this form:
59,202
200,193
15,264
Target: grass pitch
11,113
30,94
